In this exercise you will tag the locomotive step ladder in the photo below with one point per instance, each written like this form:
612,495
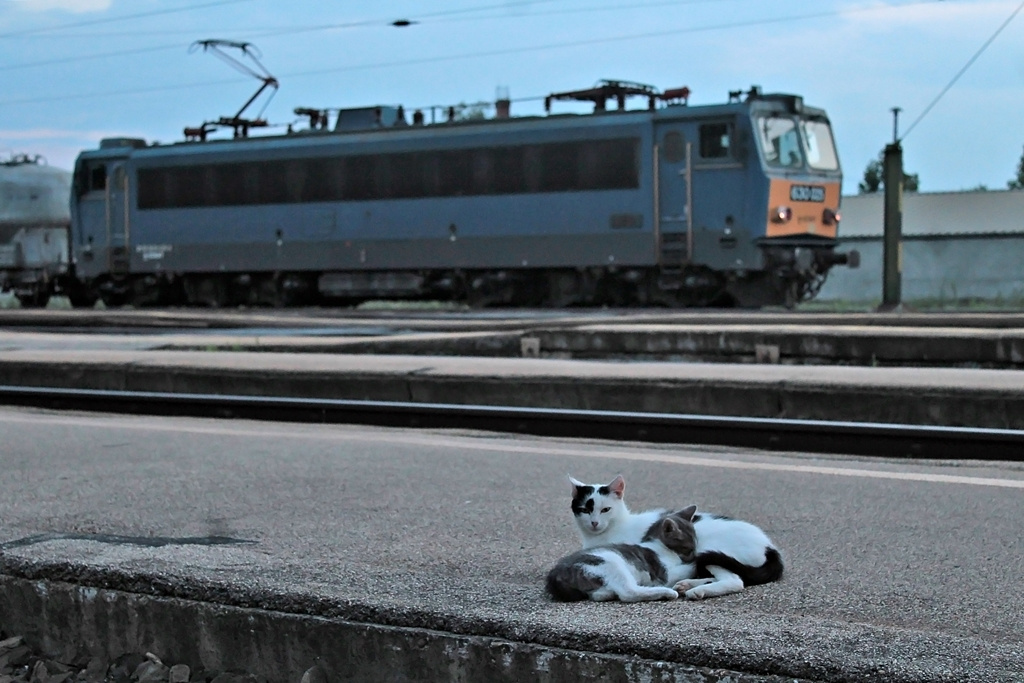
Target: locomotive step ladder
673,256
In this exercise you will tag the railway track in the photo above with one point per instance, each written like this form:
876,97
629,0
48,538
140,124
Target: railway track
815,436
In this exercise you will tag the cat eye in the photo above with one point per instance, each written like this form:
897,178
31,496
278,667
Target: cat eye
604,510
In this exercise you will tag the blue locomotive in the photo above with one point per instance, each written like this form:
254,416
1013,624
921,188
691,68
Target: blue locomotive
663,204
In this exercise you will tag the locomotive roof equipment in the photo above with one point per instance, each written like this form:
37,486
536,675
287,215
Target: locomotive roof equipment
237,123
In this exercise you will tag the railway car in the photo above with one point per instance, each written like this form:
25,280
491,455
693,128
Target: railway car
660,204
35,249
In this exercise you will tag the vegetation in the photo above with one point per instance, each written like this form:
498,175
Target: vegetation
874,180
925,305
1018,182
471,112
386,305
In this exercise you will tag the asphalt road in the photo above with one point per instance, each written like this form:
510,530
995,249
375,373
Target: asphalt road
894,571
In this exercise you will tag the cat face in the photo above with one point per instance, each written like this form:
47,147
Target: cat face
594,506
676,531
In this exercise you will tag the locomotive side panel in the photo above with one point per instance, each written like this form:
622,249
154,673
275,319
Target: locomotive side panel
396,207
557,196
485,232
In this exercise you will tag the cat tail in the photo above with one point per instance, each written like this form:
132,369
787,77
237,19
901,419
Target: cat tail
770,570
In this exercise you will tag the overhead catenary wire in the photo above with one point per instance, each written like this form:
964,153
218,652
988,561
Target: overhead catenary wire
458,15
123,17
278,32
258,33
421,18
962,71
474,55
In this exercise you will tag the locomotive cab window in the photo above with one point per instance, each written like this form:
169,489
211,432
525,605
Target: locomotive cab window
715,139
780,144
818,145
98,178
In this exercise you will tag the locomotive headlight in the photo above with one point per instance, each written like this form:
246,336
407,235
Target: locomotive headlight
830,217
782,214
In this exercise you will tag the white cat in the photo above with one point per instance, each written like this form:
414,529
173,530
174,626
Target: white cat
631,572
602,516
730,555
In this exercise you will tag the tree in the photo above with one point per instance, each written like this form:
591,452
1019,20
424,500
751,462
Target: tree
470,112
1018,182
910,182
874,178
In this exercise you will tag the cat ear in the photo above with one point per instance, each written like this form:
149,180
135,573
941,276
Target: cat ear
668,526
618,486
575,484
687,513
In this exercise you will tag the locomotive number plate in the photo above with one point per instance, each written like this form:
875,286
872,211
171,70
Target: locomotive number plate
807,193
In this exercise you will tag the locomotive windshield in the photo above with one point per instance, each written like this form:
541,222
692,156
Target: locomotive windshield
787,142
821,152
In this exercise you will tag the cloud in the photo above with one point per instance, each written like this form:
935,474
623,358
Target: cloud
943,17
76,6
53,134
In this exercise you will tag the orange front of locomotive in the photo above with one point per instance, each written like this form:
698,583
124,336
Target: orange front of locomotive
799,208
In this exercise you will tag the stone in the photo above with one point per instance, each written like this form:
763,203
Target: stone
231,677
11,643
151,672
96,670
39,673
314,674
123,667
16,656
180,673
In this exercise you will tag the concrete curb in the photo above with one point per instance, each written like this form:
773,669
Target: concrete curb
952,397
60,618
839,344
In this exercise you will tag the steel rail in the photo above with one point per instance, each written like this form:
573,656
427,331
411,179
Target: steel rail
816,436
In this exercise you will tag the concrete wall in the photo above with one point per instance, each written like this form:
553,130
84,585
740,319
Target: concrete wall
956,246
947,268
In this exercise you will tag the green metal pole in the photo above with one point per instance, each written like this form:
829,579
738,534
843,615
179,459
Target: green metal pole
892,245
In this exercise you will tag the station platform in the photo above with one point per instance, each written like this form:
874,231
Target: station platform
95,578
967,340
915,396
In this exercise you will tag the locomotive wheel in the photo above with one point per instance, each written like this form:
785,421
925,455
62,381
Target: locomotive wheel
115,298
294,290
80,297
209,290
37,299
563,289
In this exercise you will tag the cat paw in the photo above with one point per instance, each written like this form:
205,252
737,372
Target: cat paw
662,593
652,593
688,584
698,593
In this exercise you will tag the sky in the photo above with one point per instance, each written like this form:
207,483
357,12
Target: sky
75,71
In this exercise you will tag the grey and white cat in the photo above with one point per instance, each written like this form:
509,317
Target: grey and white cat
631,572
730,555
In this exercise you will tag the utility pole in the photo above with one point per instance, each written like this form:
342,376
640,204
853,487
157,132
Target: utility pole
892,244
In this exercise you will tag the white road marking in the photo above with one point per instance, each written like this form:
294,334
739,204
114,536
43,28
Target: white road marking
476,443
